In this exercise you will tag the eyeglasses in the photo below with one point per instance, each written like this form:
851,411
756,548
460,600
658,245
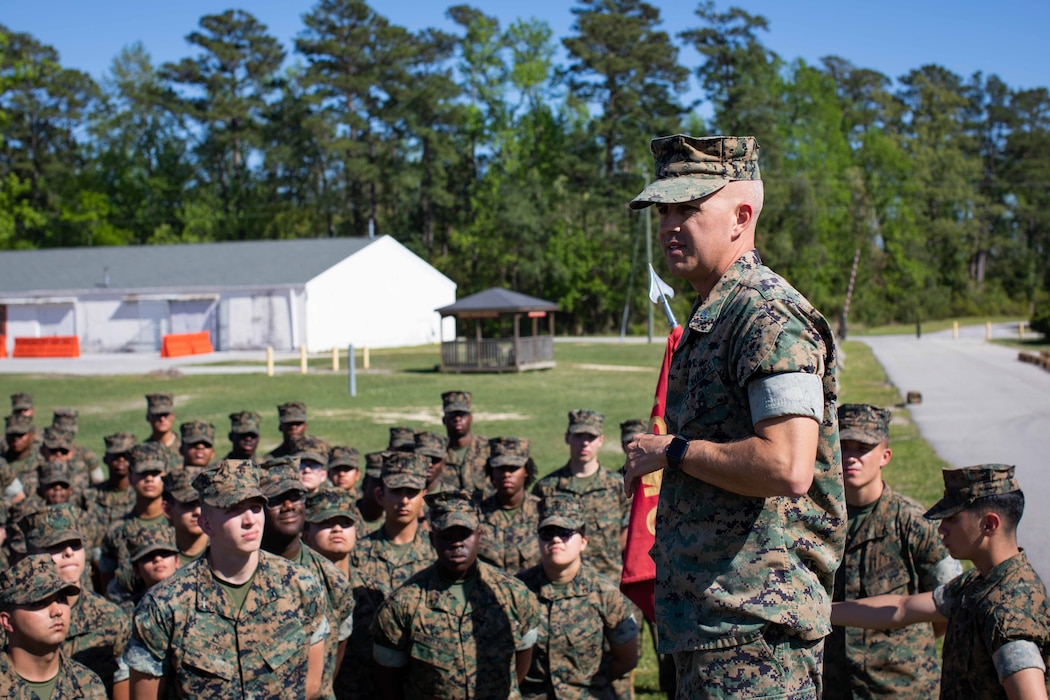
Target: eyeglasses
276,502
562,533
309,466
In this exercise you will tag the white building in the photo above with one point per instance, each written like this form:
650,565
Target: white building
321,293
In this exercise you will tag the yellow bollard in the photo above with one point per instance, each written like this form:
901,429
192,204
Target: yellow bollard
269,361
302,359
364,357
1020,330
335,359
987,330
955,330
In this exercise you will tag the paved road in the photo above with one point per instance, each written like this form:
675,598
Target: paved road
981,405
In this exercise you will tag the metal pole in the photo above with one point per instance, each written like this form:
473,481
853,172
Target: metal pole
352,369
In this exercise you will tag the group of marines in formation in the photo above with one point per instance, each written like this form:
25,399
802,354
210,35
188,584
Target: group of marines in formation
440,567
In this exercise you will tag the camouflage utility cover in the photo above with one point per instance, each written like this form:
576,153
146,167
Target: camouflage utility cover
233,481
729,565
160,403
869,425
431,444
195,431
32,580
457,401
578,623
119,443
690,167
447,650
963,486
21,401
585,420
504,451
292,412
452,509
997,624
245,422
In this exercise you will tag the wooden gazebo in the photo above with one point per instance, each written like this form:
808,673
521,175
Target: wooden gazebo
516,354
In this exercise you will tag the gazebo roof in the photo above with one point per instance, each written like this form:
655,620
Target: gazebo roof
497,301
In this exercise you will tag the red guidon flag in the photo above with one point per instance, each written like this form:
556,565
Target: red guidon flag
638,581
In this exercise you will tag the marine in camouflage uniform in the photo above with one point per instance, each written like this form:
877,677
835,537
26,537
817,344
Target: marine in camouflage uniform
606,508
145,545
244,434
583,616
344,467
458,628
98,629
196,633
292,421
148,462
21,405
740,571
66,419
467,452
197,446
434,448
58,447
384,560
34,582
371,510
890,548
20,432
285,518
160,414
54,485
113,499
509,516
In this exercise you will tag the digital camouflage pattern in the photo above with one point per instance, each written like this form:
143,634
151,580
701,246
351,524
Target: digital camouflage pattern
508,536
230,483
585,420
864,423
245,422
98,635
468,466
314,449
727,565
33,579
327,503
452,509
292,412
109,504
430,444
985,614
21,401
453,652
119,443
74,681
457,401
606,510
380,568
404,470
630,428
160,403
578,623
965,485
339,609
894,551
188,631
194,431
115,557
343,456
689,167
402,439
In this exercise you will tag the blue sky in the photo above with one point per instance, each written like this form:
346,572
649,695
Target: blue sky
892,36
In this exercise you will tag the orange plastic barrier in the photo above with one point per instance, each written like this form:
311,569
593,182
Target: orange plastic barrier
54,346
182,344
3,346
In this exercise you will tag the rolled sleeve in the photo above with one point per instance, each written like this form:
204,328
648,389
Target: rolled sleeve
138,657
788,394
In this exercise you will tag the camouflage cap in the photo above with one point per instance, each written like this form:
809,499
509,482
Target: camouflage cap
404,470
54,472
504,451
119,443
160,403
66,419
374,464
343,456
51,525
630,428
149,540
149,457
690,167
280,476
245,422
32,580
584,420
57,438
402,439
863,423
457,401
431,444
313,448
230,483
452,508
292,412
18,424
965,485
325,504
179,486
21,401
561,510
195,431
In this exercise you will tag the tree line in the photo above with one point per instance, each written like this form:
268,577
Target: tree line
504,165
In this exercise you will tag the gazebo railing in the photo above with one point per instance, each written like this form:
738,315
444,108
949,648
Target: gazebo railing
496,352
539,348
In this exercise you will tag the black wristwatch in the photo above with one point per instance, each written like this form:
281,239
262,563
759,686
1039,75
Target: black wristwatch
675,452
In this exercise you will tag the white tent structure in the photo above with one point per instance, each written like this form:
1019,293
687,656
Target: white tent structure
321,293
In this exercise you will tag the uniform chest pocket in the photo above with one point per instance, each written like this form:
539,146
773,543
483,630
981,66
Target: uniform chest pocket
277,652
887,577
209,659
434,652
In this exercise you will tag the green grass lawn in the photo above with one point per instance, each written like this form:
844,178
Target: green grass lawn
402,388
931,326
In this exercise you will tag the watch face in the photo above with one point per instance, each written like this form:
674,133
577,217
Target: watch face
676,450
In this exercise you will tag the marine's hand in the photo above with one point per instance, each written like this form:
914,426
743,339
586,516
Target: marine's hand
645,454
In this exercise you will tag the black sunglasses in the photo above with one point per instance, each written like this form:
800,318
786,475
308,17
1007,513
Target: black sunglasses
562,533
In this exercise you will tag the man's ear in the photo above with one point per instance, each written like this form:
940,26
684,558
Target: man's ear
991,523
